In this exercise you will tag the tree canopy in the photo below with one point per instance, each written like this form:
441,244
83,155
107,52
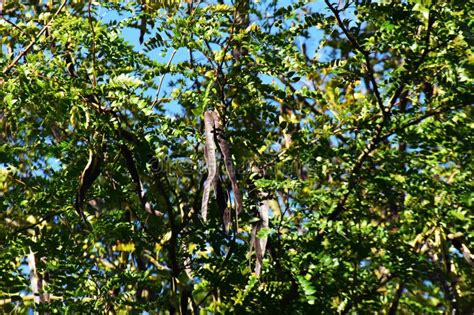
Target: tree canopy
303,157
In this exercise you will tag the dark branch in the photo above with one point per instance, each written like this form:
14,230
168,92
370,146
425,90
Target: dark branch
30,45
370,70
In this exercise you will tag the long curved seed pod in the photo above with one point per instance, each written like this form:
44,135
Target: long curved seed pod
222,198
210,157
132,169
35,278
261,243
229,165
89,175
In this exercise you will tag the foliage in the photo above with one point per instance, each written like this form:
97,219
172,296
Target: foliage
349,122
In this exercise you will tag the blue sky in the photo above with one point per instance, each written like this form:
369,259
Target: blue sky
132,36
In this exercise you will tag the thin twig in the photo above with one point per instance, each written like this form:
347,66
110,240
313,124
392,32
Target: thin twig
33,225
360,297
370,70
420,119
30,45
94,76
427,49
377,135
231,35
222,266
12,24
156,101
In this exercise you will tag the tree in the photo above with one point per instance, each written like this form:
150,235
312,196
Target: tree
318,159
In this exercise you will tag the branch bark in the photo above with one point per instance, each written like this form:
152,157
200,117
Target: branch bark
385,110
396,299
370,70
30,45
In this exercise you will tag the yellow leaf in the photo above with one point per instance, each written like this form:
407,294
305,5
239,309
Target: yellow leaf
125,247
192,247
166,237
235,104
73,117
158,247
252,28
31,219
263,148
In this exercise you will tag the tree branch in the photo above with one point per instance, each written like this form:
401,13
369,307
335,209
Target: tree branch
396,299
31,226
417,65
377,135
418,120
157,100
94,74
30,45
370,70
